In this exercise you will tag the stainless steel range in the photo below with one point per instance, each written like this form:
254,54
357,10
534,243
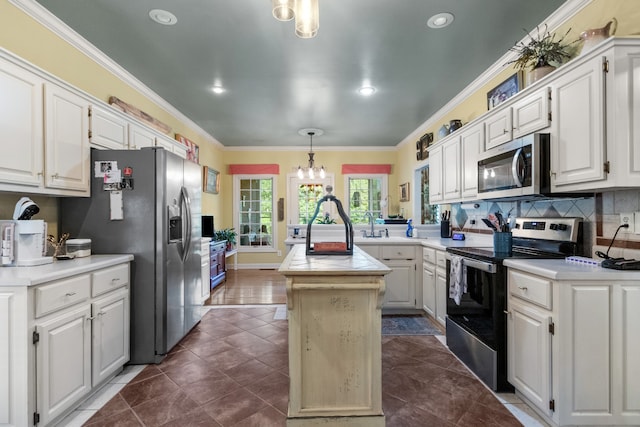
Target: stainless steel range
477,325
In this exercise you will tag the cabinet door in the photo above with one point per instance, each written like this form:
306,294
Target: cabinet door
21,123
165,143
577,136
206,274
400,285
140,137
110,344
498,128
435,175
429,289
531,113
471,145
63,360
451,169
66,140
108,130
441,296
529,352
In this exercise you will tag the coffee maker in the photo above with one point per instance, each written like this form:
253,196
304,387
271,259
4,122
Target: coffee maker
23,239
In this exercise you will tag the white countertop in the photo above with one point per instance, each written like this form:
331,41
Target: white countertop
559,269
29,276
432,242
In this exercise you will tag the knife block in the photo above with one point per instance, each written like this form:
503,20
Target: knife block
445,229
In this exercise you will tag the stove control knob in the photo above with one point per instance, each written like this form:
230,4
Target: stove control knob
562,227
553,226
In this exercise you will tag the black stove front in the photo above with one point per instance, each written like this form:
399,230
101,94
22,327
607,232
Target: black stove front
476,309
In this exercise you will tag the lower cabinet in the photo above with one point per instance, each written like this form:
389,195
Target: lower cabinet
441,287
217,263
573,348
205,292
429,289
400,284
61,341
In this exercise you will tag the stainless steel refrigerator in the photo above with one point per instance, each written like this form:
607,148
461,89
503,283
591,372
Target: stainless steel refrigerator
148,203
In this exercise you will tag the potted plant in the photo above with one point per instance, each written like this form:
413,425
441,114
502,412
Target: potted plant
228,234
541,54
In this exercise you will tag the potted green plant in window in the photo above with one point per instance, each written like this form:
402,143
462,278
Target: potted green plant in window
228,234
541,54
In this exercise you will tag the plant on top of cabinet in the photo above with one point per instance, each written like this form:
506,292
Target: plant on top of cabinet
542,54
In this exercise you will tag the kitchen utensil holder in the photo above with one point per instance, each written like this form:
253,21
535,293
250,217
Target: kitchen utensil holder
445,229
502,242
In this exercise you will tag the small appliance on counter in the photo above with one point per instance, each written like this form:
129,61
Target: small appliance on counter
79,247
24,239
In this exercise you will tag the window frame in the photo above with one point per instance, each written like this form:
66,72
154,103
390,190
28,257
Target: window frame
293,183
273,247
384,190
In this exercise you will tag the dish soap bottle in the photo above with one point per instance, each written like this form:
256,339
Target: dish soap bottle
409,228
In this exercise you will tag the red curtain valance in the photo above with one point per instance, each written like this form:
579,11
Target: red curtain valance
260,169
369,169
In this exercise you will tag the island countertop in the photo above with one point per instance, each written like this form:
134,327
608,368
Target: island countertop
359,264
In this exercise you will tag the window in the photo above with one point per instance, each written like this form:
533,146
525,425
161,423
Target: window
303,198
428,213
365,194
254,207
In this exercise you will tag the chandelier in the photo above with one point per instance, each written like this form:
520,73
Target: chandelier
306,13
311,170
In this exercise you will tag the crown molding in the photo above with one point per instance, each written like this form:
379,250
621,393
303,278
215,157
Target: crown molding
41,15
340,148
553,21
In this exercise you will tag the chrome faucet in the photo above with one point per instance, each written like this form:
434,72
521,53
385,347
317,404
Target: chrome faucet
371,221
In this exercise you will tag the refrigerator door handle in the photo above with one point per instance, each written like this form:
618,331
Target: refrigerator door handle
187,236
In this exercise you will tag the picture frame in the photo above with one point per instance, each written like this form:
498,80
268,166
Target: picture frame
505,90
404,192
210,180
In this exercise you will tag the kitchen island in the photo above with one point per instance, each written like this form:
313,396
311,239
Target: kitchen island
334,310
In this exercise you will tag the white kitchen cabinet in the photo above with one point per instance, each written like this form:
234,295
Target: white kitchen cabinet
573,348
21,121
451,169
205,291
524,116
66,140
171,145
471,145
429,281
400,288
441,288
140,137
110,343
108,129
63,361
436,192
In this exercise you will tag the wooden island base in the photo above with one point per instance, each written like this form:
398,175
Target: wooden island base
334,312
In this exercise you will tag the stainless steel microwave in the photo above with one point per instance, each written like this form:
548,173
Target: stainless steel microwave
517,169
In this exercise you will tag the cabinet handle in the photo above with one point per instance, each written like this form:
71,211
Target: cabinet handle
55,176
91,318
40,174
506,312
115,280
70,294
522,288
505,131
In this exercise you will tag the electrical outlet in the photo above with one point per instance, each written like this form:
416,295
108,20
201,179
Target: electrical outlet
279,253
629,219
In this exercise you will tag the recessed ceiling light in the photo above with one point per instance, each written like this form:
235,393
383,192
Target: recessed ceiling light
367,90
218,90
440,20
163,17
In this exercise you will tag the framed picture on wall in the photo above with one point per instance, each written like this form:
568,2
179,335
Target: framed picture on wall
211,180
504,90
404,192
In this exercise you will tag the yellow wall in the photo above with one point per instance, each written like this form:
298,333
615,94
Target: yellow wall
595,15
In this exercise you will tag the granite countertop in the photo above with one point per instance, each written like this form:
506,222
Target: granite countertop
559,269
29,276
359,264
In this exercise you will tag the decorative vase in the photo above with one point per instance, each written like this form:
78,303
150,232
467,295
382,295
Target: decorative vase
594,36
538,73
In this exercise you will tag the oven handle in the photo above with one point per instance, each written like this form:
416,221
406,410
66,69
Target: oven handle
480,265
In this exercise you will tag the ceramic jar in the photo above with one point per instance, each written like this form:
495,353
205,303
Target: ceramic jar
594,36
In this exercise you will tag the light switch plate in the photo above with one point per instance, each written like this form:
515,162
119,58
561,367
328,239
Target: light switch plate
628,218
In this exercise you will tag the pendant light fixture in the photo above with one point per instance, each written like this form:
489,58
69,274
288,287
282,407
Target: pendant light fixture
306,12
310,170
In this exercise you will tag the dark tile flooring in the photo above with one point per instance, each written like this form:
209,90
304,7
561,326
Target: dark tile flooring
232,370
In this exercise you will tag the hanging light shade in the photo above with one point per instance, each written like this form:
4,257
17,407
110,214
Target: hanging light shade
283,9
307,15
311,169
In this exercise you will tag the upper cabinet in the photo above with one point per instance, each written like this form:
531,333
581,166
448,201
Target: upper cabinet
45,135
471,145
140,137
524,116
108,129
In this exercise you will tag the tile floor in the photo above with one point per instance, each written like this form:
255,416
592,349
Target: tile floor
231,370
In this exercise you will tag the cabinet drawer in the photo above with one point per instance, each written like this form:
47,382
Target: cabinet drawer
61,294
441,259
530,288
429,255
398,252
109,279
